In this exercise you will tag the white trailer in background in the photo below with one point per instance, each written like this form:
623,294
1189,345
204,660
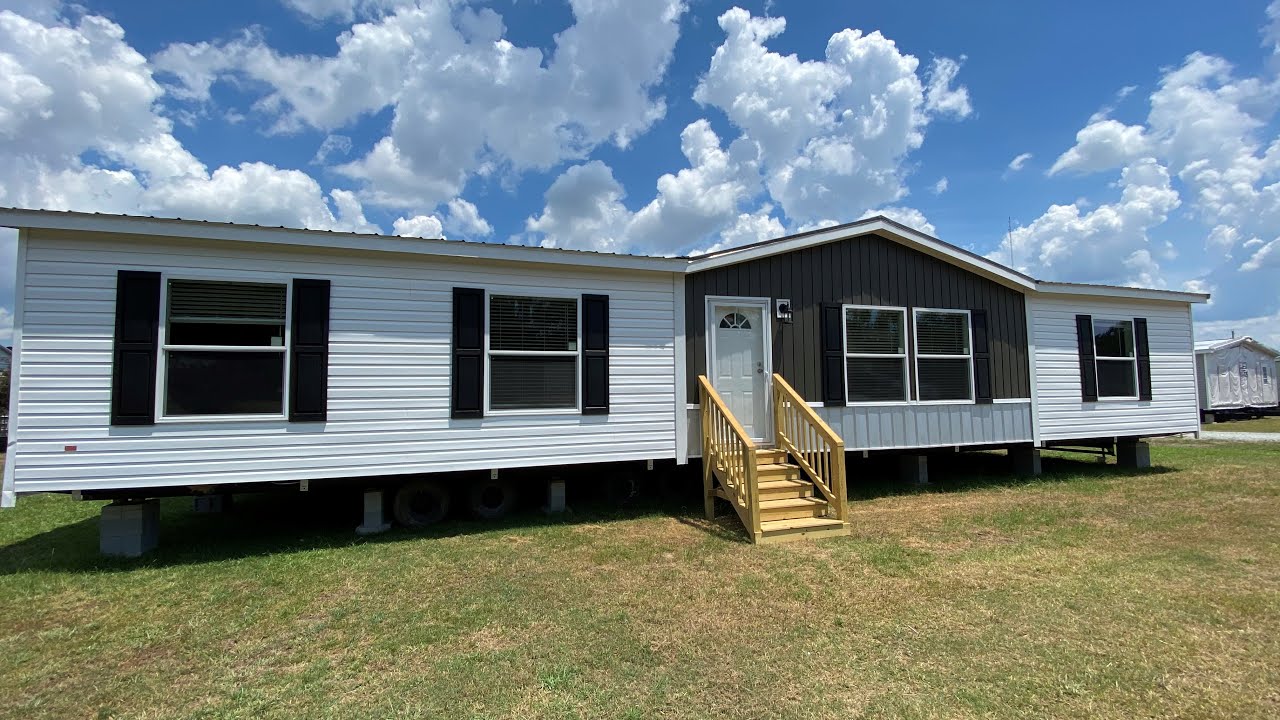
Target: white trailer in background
1237,375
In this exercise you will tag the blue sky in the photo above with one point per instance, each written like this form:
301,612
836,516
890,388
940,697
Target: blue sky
662,126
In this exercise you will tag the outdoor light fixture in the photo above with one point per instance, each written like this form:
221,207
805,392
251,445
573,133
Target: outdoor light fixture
784,310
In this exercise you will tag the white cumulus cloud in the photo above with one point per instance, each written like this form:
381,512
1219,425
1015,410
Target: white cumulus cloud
1212,130
465,99
832,133
910,217
585,209
1108,244
1102,145
423,226
1019,161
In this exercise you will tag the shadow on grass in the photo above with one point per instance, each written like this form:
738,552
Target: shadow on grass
268,523
874,477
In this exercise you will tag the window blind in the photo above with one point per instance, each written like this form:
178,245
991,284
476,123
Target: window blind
942,333
530,382
215,300
874,332
533,324
876,379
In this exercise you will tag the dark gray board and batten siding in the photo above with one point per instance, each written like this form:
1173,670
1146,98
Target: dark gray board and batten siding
862,270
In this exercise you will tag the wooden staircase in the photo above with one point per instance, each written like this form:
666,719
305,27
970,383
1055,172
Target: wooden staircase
788,508
792,491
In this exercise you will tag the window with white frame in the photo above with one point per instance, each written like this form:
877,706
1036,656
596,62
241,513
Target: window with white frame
944,357
1116,359
533,353
875,354
225,347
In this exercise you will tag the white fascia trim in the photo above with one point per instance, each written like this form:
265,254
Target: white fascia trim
7,495
920,241
197,230
1044,287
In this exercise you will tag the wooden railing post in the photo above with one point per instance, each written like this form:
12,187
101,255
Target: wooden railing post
753,489
840,489
708,460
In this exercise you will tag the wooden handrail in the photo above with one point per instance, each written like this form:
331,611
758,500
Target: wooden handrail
738,430
811,442
819,424
729,452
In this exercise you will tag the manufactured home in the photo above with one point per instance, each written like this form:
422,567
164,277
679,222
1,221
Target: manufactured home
158,356
1235,376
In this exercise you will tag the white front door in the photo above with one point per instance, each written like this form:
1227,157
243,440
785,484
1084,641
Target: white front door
739,365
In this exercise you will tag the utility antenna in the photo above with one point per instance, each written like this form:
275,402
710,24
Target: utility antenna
1009,239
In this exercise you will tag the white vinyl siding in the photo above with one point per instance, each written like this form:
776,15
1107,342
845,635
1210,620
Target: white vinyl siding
389,371
1061,412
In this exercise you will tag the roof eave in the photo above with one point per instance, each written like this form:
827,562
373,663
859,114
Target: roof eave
879,224
333,240
1044,287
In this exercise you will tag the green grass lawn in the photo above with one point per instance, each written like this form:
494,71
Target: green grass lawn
1267,424
1091,592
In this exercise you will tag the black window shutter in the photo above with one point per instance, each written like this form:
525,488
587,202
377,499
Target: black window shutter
1143,348
832,332
981,357
133,371
309,352
468,353
1088,370
595,354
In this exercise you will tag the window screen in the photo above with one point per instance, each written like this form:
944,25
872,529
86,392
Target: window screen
875,354
224,348
944,362
533,353
1115,358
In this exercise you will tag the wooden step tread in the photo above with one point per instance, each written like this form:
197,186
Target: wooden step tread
791,503
776,467
776,484
801,524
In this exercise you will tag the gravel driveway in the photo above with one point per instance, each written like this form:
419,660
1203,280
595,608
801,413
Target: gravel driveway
1240,436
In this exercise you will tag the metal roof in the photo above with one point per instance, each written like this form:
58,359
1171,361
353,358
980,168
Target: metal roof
1212,345
226,223
870,223
340,239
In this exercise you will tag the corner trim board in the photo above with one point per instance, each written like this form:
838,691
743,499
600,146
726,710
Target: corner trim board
682,371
